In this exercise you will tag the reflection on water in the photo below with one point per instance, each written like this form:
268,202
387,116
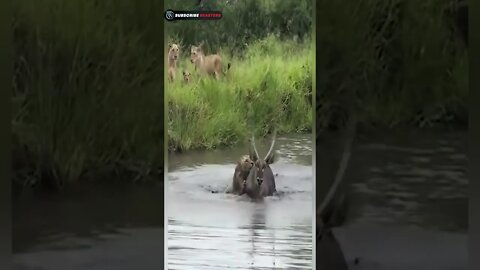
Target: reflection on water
399,180
92,227
210,230
409,202
414,179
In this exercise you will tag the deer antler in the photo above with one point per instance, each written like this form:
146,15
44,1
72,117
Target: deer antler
253,144
273,143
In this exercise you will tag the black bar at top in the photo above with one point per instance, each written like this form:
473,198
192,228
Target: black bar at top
177,15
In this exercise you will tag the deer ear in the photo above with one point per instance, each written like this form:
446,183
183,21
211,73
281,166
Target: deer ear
271,158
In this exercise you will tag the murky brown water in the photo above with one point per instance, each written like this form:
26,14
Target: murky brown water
220,231
408,210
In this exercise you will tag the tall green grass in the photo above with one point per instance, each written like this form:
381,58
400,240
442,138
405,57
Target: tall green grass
268,87
88,90
402,59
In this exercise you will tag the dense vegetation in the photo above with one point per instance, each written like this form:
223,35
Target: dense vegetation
88,86
269,84
404,60
269,87
88,90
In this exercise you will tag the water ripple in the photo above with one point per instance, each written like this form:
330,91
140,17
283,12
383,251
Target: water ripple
208,229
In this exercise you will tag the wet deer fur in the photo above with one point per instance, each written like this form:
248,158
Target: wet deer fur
261,180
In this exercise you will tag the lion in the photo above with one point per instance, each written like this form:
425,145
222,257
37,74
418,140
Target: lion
242,169
173,56
207,64
187,76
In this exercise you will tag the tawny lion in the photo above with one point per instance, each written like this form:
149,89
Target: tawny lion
207,64
187,76
242,169
173,55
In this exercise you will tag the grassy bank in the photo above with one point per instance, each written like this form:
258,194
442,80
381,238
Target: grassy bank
88,91
87,95
269,86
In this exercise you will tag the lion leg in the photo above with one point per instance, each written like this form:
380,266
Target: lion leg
218,68
171,75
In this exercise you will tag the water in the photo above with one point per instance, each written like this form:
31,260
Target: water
420,181
409,210
208,229
409,202
93,227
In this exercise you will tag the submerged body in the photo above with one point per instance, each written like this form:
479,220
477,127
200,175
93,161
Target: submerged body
261,180
252,187
268,188
257,189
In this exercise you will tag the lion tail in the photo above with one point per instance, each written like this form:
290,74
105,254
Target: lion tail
228,68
